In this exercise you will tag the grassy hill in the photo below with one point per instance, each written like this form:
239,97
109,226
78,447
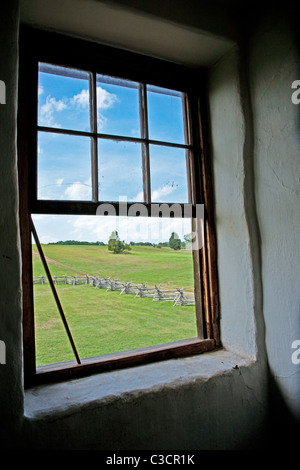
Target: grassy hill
103,322
142,264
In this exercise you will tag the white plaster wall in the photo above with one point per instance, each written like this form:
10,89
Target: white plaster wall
213,401
237,268
274,65
132,29
256,166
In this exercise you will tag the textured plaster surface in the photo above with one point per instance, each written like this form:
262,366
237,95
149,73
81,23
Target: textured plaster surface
277,168
202,402
62,397
236,266
132,29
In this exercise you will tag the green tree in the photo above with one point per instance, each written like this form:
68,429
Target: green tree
174,241
115,244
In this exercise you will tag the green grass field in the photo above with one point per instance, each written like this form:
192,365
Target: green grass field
104,322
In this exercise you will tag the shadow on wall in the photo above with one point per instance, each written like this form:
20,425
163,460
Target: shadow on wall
296,35
281,432
284,430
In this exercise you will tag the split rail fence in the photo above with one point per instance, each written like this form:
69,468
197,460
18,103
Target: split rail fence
158,294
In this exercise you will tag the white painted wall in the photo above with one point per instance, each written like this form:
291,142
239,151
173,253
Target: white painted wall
273,66
129,29
236,240
256,167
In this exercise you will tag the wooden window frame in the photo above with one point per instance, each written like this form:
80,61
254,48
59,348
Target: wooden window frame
40,46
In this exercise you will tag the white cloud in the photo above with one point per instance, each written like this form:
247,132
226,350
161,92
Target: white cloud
78,191
93,228
81,99
52,228
100,228
139,197
105,100
101,121
40,90
136,229
158,194
163,191
48,109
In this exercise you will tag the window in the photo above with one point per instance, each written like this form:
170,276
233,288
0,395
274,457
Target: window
110,140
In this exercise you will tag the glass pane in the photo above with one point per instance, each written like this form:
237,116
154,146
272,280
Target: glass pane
120,171
64,167
63,98
109,296
168,174
118,107
165,115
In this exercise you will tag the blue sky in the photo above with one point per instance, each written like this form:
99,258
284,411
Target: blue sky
64,161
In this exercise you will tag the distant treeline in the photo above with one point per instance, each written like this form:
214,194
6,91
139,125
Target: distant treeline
76,242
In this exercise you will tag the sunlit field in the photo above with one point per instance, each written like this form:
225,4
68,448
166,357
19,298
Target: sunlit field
101,321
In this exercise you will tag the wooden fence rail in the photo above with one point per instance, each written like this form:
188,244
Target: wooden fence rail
158,294
73,280
184,298
164,294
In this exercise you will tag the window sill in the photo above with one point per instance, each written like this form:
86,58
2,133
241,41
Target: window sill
65,398
115,361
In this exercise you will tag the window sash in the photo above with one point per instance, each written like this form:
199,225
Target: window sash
143,140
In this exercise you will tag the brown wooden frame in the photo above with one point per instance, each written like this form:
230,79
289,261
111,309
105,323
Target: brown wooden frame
40,46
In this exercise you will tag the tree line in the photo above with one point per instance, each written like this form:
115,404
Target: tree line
75,242
116,245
